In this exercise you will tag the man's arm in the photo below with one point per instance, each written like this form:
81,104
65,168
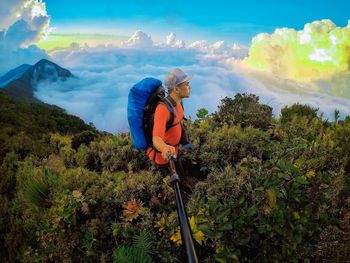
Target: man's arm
161,116
164,148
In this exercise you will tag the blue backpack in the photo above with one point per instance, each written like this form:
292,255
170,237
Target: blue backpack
143,99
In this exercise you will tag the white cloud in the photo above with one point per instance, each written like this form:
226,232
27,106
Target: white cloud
180,44
15,58
235,46
170,39
220,50
319,51
201,45
23,23
139,40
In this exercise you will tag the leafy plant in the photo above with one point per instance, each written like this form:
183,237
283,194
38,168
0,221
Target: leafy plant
139,252
202,112
37,189
299,110
244,110
132,209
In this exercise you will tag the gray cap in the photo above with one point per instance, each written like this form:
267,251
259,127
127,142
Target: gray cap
175,77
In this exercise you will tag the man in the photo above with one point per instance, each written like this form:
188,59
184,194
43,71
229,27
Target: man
167,141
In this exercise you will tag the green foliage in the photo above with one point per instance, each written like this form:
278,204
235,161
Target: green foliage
137,186
140,251
131,255
298,110
37,190
8,170
23,125
263,189
244,110
202,112
85,137
228,145
21,144
117,153
88,158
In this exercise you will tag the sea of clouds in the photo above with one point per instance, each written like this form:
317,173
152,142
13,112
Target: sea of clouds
106,73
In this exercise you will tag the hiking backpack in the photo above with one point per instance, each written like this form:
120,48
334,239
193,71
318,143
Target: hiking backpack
143,99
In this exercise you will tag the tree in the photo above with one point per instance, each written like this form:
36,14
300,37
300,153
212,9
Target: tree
244,110
299,110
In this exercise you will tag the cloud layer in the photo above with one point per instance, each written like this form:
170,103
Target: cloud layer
106,74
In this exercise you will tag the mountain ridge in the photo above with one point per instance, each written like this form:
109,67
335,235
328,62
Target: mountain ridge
20,83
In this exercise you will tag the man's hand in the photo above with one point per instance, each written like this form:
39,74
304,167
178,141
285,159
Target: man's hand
163,147
168,149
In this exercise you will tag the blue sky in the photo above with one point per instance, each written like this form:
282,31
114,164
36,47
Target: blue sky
233,21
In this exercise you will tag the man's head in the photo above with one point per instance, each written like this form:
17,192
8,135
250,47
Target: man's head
177,82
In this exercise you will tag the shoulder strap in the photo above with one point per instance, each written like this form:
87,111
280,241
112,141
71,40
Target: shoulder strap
183,118
171,110
173,103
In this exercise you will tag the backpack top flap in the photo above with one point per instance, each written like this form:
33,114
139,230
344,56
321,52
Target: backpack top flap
137,100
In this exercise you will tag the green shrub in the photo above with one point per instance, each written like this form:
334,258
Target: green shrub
244,110
299,110
229,145
85,137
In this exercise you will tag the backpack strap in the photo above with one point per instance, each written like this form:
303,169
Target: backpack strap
174,104
170,123
183,109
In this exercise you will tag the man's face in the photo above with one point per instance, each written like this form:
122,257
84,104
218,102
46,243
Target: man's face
184,89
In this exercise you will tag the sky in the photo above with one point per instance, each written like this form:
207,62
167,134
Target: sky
233,21
283,51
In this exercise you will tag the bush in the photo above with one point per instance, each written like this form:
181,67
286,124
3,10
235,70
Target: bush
298,110
85,137
229,145
244,110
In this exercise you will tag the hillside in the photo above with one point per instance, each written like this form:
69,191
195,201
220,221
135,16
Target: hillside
259,189
20,120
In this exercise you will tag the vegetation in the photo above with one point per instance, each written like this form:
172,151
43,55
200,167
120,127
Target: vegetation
264,189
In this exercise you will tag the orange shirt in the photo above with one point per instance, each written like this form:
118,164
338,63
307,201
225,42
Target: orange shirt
172,136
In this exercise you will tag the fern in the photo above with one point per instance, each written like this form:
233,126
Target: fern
139,252
37,189
144,242
122,255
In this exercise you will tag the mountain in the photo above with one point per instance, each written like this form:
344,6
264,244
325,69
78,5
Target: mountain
13,74
20,82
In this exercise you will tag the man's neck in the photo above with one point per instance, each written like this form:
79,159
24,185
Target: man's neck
175,98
